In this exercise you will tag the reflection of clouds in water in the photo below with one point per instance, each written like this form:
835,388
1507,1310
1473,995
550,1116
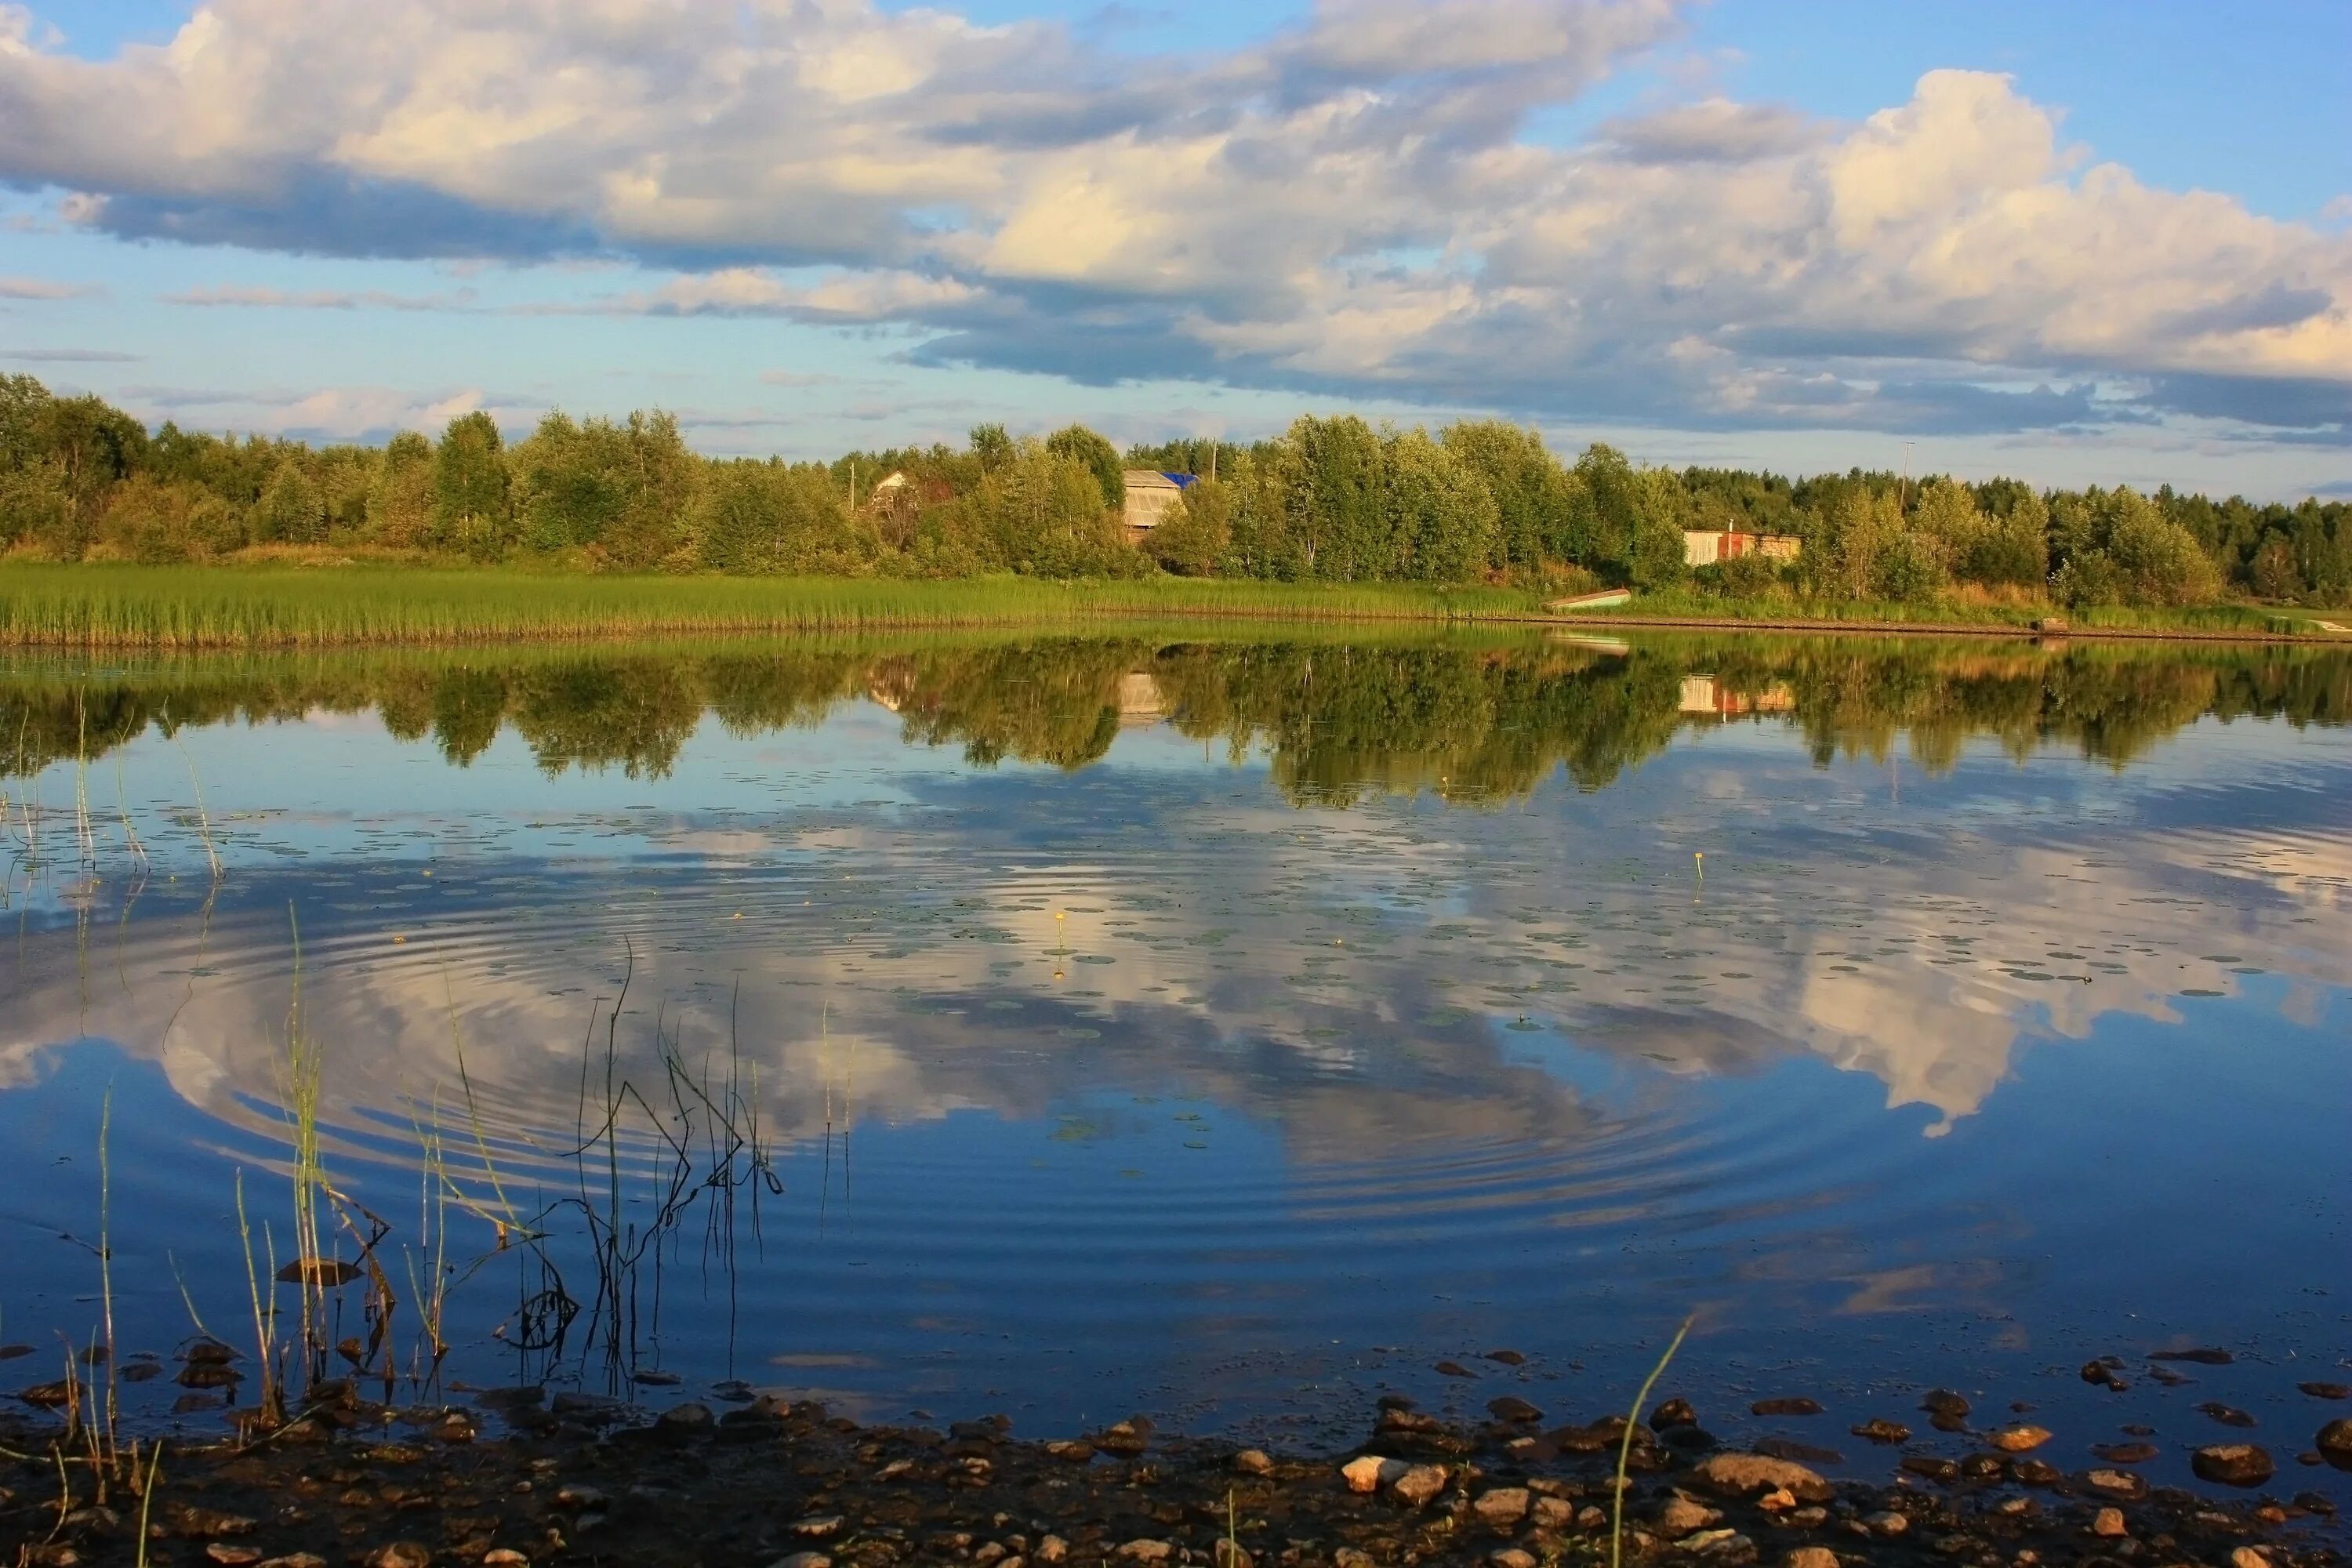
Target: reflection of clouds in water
906,969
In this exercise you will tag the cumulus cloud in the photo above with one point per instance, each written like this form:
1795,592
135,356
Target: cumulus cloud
1348,207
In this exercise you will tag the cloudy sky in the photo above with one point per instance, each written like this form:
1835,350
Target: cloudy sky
2068,239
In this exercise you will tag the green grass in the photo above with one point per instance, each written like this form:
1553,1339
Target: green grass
195,608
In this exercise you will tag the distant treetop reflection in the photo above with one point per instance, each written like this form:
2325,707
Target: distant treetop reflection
1463,718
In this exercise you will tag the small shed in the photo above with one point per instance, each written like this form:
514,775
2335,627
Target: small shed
1706,547
1150,497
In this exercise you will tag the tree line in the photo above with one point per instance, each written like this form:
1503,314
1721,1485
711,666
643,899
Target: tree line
1331,499
1340,721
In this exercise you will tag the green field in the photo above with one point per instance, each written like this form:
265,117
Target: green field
202,607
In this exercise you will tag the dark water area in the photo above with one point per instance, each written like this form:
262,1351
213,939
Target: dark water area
1227,1030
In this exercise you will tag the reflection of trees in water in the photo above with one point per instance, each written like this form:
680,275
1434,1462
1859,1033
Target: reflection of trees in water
1464,720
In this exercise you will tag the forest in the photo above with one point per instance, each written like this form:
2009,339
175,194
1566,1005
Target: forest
1332,500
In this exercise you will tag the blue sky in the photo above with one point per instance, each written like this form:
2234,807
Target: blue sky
2102,241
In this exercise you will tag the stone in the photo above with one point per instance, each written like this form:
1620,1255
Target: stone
685,1421
1051,1550
2100,1373
1512,1408
1506,1358
1071,1451
1501,1507
1800,1406
1682,1516
1145,1550
1351,1557
1943,1402
2231,1465
1720,1546
2021,1438
2109,1522
1511,1557
1366,1472
2249,1557
2225,1415
504,1557
306,1560
210,1523
1227,1553
1886,1522
1878,1430
1253,1462
818,1527
2326,1390
1742,1474
1451,1369
2035,1473
803,1560
1811,1557
574,1498
1672,1412
2335,1444
1420,1484
229,1555
1554,1513
1943,1472
2206,1356
2122,1485
399,1555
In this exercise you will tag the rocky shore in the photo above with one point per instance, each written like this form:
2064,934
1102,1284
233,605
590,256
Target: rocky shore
520,1478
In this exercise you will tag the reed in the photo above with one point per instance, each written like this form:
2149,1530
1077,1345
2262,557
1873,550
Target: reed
191,608
1625,1445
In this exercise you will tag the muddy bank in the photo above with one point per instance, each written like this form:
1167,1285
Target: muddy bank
523,1478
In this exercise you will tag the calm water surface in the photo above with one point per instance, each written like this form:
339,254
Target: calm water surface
1225,1030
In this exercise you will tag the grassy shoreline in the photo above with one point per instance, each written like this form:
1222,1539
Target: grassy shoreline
115,606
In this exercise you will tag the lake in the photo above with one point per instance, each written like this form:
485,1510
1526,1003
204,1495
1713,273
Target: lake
1228,1026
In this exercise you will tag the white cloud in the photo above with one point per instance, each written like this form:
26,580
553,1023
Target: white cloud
1348,207
320,299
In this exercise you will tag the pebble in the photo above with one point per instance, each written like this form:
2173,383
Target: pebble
1682,1516
2125,1453
2249,1557
2109,1522
1146,1550
1672,1412
1501,1507
229,1556
1799,1405
1506,1358
2232,1464
2326,1390
1511,1407
1253,1462
1053,1549
818,1527
1811,1557
2206,1356
1878,1430
1511,1557
1554,1513
803,1560
2121,1484
2019,1439
504,1557
399,1555
301,1560
1943,1402
578,1498
1351,1557
685,1421
1226,1553
1451,1369
2335,1444
1887,1522
1366,1472
2225,1415
1420,1484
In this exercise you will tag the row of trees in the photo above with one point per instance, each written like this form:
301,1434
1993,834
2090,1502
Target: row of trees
1329,500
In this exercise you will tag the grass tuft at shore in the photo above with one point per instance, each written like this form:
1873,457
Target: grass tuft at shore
196,607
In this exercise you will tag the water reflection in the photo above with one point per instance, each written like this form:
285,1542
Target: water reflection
1162,983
